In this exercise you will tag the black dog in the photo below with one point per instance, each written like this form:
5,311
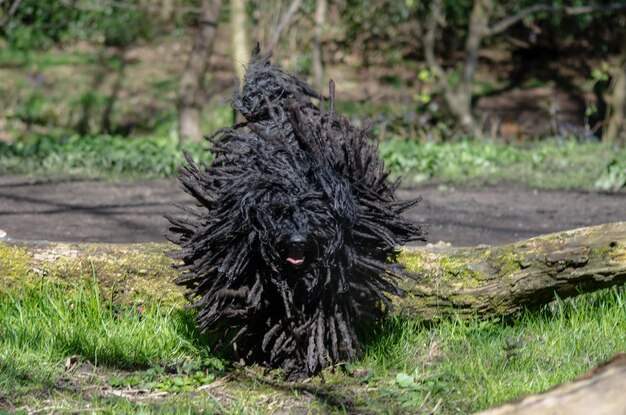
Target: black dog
295,241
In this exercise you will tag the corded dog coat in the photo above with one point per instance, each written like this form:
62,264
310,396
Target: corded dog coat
295,238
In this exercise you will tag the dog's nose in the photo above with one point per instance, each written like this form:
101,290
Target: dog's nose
296,251
297,240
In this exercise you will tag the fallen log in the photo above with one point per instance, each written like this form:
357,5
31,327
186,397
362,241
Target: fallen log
599,392
479,281
502,280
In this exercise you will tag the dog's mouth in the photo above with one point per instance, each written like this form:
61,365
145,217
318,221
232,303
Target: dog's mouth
295,252
295,256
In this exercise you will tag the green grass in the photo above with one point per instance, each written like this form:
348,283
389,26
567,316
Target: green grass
98,156
43,59
471,365
52,324
43,326
548,164
458,366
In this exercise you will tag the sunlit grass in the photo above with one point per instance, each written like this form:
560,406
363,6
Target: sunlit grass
98,156
473,365
460,365
548,165
42,327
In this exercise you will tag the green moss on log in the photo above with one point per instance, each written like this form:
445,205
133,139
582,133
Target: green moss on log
13,264
126,274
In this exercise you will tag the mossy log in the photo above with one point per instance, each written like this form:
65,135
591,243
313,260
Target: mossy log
501,280
479,281
600,392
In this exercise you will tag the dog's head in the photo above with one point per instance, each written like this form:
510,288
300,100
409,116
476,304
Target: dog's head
301,221
290,238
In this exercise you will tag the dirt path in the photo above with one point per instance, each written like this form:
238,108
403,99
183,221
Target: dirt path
81,210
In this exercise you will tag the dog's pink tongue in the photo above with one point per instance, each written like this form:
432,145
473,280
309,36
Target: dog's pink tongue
295,261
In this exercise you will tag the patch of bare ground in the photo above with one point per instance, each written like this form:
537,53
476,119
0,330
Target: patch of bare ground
132,211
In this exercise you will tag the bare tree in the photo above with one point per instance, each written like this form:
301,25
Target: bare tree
167,10
12,9
617,116
191,92
239,37
286,20
320,22
459,97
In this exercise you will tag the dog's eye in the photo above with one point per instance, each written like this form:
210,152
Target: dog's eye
278,211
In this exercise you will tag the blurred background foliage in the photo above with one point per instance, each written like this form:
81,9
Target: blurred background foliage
81,78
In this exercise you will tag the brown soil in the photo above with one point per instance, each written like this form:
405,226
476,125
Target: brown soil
125,211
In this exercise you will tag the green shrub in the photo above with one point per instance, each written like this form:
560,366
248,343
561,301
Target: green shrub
549,164
41,24
34,109
101,155
614,178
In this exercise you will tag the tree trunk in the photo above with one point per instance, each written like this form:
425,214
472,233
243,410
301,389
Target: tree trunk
239,37
167,10
465,282
459,98
320,22
461,102
191,92
4,19
286,20
616,128
599,392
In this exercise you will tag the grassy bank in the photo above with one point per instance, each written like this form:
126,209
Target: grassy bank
550,164
546,164
64,353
